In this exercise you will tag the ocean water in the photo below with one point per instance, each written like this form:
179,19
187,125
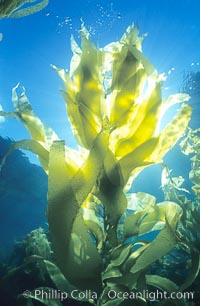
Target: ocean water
30,45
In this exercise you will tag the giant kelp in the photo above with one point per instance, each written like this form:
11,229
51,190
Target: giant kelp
115,106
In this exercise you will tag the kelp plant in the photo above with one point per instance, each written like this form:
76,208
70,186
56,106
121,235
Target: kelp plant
114,103
12,8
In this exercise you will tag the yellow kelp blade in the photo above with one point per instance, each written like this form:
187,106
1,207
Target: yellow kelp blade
124,66
162,244
62,205
62,212
141,204
172,133
130,71
84,93
128,81
41,149
84,128
136,159
162,211
153,150
66,194
86,178
131,224
23,111
73,109
112,196
151,218
87,75
42,135
143,124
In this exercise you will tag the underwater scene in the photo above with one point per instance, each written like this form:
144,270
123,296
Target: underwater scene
99,152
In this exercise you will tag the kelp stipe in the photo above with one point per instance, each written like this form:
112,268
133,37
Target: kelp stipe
114,103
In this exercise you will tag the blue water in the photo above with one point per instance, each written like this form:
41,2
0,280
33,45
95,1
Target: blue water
31,44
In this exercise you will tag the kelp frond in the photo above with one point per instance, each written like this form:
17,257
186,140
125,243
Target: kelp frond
119,84
12,8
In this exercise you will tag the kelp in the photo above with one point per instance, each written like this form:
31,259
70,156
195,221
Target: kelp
191,145
187,199
114,104
173,190
12,8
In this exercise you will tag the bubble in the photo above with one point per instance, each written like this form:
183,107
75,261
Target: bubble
170,70
106,17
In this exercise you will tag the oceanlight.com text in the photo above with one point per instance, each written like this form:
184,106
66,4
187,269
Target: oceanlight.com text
150,295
